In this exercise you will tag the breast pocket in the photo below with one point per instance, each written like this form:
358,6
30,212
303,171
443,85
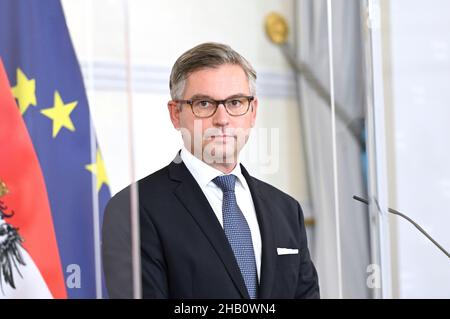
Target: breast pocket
286,277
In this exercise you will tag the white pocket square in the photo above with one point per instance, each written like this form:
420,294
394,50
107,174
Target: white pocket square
287,251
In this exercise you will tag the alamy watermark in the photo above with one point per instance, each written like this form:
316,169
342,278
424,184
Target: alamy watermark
222,145
373,280
73,279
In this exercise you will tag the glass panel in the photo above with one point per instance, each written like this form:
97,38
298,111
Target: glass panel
316,120
350,165
390,69
342,245
103,60
417,63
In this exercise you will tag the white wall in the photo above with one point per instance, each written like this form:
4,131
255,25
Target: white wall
418,104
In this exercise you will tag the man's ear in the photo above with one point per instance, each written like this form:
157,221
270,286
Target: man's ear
174,112
254,108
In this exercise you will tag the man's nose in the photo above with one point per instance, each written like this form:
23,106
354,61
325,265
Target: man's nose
221,117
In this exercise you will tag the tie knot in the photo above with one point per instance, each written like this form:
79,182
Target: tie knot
225,182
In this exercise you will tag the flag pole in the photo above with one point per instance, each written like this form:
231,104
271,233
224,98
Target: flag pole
93,151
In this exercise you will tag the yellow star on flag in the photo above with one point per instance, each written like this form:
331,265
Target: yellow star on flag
24,91
60,114
98,169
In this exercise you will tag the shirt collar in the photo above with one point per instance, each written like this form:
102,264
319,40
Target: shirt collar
203,173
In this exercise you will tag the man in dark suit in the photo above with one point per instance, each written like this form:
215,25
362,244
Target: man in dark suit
207,228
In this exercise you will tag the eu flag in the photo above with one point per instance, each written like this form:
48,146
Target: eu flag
51,104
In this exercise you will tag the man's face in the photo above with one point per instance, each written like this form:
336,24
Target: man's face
218,138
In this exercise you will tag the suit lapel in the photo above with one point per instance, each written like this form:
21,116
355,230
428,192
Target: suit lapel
191,196
265,220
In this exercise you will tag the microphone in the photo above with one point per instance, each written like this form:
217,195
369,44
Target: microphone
395,212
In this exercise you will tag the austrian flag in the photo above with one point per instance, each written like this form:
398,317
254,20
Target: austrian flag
53,182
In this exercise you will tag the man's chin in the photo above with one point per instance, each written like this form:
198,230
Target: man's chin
220,153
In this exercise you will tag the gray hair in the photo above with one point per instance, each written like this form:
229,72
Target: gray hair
207,55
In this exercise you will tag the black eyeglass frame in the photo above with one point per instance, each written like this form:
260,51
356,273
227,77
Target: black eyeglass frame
250,98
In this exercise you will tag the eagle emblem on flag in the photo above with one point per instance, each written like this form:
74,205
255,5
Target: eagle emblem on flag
10,244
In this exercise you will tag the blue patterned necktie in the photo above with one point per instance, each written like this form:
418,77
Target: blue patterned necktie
238,233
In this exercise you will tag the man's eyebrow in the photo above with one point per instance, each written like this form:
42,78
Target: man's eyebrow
201,96
204,96
236,95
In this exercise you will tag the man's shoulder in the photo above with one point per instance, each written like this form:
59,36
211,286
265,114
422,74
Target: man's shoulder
156,181
276,202
271,192
159,177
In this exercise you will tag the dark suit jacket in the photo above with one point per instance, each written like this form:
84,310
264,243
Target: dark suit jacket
184,250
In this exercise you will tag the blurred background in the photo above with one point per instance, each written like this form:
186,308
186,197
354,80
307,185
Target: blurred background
354,100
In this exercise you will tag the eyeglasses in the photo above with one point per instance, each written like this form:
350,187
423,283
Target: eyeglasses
207,107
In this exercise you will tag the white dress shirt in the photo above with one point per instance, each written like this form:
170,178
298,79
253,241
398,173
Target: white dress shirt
204,174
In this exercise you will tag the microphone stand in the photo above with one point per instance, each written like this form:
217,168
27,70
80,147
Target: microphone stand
395,212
